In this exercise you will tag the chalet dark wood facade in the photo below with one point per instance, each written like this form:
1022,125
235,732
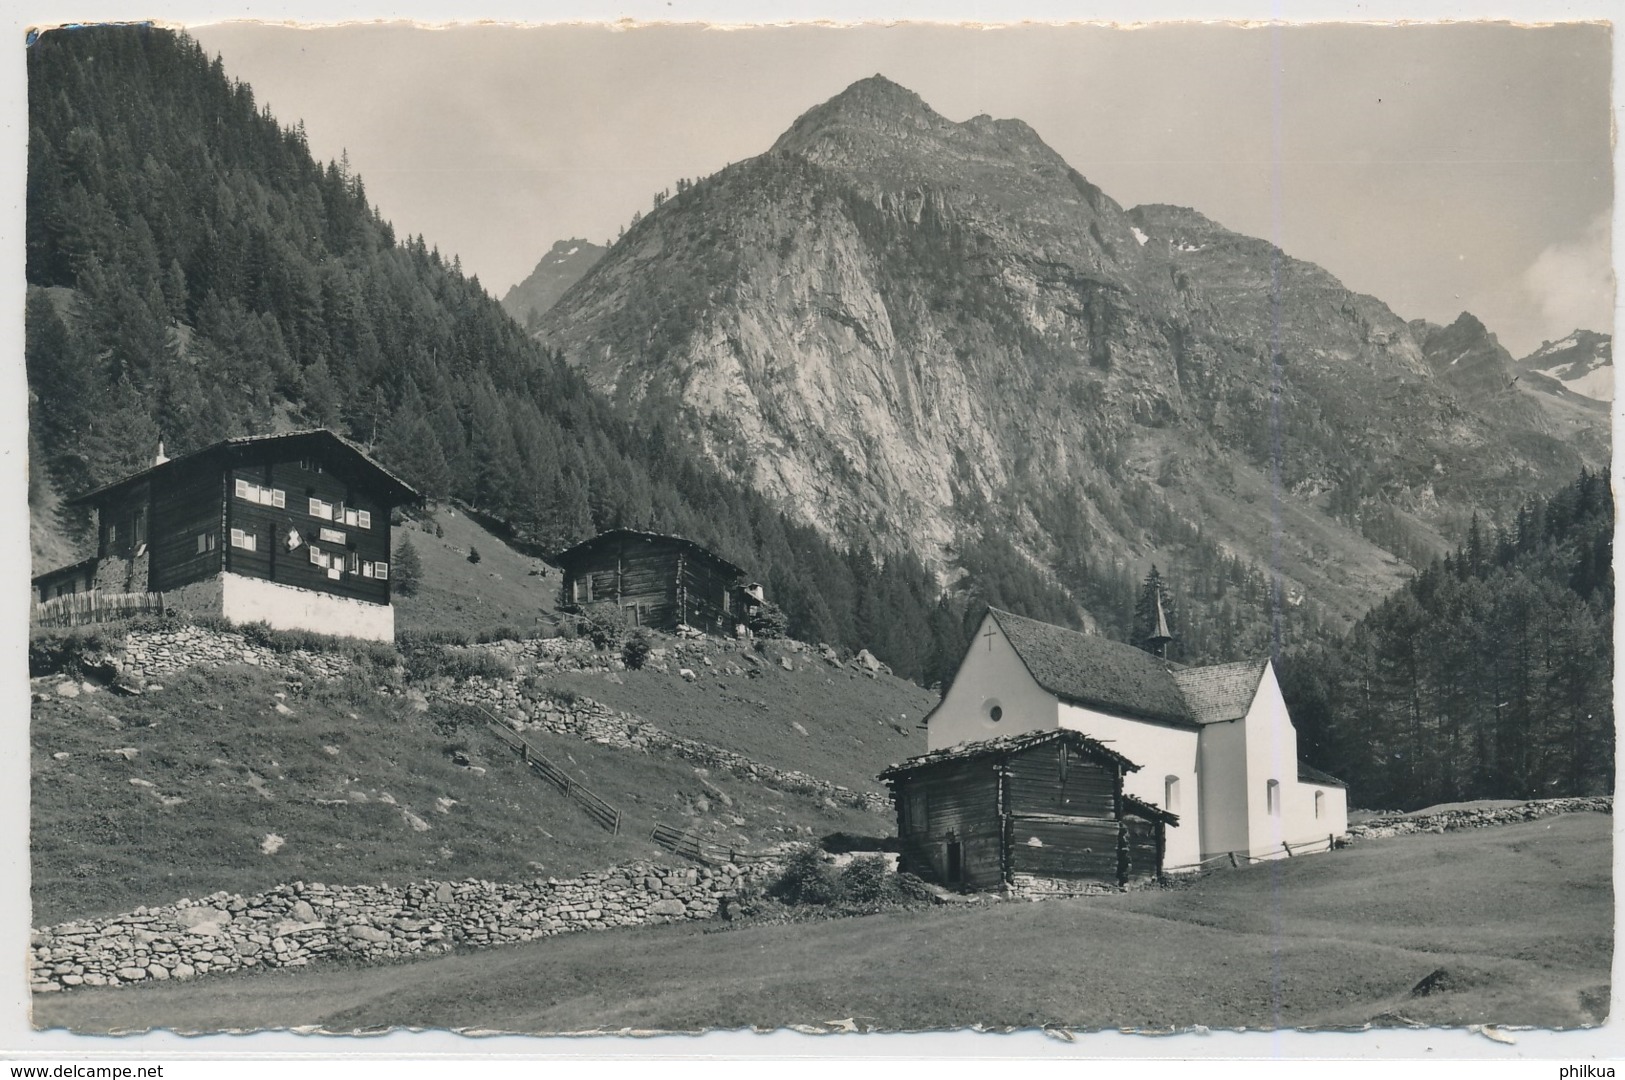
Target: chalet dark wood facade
1044,810
292,529
652,580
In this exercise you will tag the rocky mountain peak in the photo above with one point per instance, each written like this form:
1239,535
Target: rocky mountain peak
915,333
565,263
886,135
1581,363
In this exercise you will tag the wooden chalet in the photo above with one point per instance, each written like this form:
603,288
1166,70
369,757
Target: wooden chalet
290,529
1041,811
654,580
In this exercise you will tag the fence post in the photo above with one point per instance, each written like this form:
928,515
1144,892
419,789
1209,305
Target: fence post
1232,860
1288,848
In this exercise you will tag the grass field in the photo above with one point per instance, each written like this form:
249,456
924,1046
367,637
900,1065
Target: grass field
173,794
505,588
1509,925
826,721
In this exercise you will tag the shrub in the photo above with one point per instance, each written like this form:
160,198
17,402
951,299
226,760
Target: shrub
635,649
473,554
416,639
440,661
604,629
70,651
808,879
768,620
499,633
868,880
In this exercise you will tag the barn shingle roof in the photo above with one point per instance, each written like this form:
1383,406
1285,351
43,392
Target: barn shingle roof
1221,692
1095,672
571,554
1005,745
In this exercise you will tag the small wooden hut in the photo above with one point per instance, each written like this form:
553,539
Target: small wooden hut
1041,811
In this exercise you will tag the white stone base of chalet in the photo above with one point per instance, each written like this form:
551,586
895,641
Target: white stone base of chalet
284,607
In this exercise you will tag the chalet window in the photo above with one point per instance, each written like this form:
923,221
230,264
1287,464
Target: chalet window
318,557
265,496
310,465
321,509
1272,796
112,536
1320,803
581,589
1170,793
138,533
244,540
727,602
380,570
206,542
919,809
359,519
353,563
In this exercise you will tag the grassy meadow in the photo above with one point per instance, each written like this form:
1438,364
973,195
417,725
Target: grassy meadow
1510,925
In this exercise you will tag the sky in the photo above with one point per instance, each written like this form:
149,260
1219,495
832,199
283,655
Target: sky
1440,168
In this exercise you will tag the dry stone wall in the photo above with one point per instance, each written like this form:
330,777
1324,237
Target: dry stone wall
300,924
1478,817
152,654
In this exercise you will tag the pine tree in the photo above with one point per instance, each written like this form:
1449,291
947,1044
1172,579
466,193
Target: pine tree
407,573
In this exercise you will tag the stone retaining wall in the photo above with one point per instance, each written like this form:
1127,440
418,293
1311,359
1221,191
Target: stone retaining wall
151,654
299,924
594,722
1475,818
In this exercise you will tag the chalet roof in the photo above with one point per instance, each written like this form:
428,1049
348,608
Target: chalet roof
1308,774
307,443
1006,745
1221,692
1096,672
565,557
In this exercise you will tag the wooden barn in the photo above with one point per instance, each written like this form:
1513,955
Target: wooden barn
1042,811
653,580
292,530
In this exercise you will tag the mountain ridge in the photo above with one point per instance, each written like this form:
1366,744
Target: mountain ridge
912,331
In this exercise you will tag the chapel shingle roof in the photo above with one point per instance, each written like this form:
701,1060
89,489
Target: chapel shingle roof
1096,672
1308,774
1221,692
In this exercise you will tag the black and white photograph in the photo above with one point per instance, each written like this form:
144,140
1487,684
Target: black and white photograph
601,529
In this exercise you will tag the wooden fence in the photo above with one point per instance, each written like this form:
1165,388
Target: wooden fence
82,609
1238,859
691,846
600,810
